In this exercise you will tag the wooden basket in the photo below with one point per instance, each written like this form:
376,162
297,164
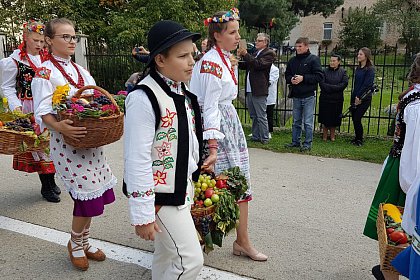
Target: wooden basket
14,142
198,214
100,131
387,252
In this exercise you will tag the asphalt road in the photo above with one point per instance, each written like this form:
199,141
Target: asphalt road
307,214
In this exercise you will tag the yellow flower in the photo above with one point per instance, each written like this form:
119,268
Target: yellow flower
60,94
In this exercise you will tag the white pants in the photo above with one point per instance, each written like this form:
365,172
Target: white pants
178,253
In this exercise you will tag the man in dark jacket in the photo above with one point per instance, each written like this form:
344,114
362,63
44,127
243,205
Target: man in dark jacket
257,68
303,73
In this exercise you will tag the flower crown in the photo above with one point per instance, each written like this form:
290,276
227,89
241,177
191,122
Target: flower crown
34,26
232,14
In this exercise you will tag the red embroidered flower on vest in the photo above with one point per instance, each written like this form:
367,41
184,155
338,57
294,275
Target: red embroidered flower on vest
168,120
159,177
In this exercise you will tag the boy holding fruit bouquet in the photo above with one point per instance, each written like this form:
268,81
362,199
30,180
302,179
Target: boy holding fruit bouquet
162,141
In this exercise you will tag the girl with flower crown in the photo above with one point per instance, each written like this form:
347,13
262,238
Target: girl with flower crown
18,71
215,83
85,172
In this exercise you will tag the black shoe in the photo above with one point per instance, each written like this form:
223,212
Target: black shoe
377,273
47,191
305,149
357,143
291,145
55,188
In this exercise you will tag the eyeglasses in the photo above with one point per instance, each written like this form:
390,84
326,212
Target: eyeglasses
68,38
259,40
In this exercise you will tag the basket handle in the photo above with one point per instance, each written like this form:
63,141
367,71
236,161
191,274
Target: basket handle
103,91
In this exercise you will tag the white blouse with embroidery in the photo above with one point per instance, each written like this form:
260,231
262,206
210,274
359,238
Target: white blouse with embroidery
85,172
46,87
9,73
213,84
410,162
139,132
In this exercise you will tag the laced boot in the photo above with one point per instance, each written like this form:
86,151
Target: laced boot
55,188
47,190
92,252
77,254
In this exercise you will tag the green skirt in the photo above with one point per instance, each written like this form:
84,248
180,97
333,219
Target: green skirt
388,191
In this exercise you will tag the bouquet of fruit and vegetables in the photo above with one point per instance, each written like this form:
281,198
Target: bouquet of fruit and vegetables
219,194
394,231
89,106
120,99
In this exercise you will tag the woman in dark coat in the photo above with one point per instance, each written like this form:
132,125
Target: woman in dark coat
332,97
364,78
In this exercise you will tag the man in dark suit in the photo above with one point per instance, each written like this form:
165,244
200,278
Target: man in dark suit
257,68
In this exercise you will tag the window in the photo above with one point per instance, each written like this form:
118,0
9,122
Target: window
327,31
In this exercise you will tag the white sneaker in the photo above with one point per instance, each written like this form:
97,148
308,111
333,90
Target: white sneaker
269,135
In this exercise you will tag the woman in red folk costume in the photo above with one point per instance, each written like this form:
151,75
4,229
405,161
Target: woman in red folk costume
18,70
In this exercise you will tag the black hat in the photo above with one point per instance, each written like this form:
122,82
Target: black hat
165,34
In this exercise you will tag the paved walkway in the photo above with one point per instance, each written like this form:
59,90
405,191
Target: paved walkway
308,215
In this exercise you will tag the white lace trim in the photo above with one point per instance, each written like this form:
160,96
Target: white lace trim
213,134
95,194
143,222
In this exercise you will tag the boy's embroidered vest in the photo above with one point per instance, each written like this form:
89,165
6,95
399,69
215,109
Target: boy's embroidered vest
170,150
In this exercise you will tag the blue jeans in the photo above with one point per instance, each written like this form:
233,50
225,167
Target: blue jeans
303,113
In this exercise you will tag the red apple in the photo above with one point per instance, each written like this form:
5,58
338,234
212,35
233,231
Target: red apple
221,184
209,192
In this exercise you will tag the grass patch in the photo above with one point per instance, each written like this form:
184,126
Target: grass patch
375,149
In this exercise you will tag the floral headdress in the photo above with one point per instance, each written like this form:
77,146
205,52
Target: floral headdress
232,14
34,26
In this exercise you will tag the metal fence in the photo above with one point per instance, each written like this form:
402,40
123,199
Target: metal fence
391,68
111,67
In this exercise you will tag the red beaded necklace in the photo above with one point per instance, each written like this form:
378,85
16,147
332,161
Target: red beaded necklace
222,56
30,62
80,81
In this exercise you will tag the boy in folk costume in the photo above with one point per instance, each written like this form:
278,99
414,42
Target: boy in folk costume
86,174
162,141
18,71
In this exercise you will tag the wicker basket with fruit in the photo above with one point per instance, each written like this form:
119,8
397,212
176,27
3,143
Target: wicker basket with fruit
391,237
17,134
100,114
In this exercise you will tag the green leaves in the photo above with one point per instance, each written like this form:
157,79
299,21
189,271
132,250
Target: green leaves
360,28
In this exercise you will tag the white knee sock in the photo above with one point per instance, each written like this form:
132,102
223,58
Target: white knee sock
86,245
76,242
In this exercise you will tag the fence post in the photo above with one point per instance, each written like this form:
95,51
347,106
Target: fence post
2,45
81,51
2,55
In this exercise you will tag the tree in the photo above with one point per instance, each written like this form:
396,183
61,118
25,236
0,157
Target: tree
307,7
405,16
360,29
280,16
114,22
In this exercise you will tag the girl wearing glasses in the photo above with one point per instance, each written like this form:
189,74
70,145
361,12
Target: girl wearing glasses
18,70
85,172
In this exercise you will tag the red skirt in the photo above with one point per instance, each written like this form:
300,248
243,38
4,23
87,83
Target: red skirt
26,162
